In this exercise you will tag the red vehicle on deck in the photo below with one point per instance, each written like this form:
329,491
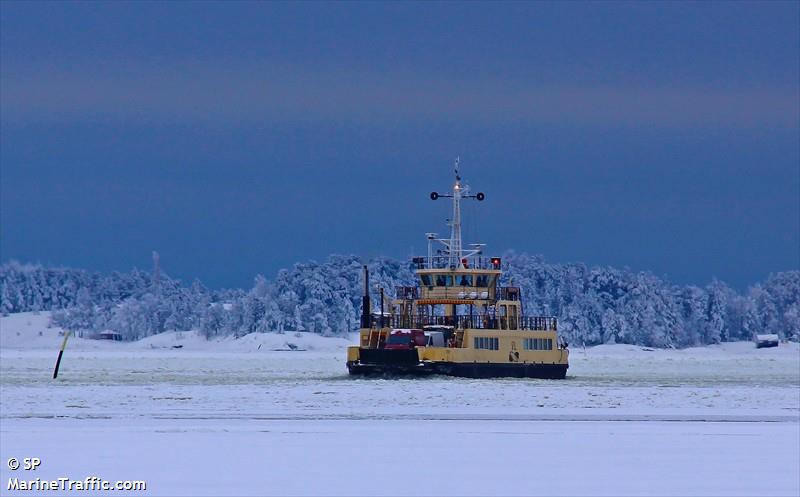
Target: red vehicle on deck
404,339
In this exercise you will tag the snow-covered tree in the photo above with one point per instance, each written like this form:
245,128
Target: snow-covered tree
593,305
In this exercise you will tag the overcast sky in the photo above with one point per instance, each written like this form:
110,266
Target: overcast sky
239,138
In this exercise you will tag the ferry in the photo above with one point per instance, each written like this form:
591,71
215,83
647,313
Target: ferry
457,319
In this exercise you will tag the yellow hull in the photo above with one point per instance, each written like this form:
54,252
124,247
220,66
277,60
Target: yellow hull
515,353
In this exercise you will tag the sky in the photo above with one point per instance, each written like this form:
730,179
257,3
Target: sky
238,138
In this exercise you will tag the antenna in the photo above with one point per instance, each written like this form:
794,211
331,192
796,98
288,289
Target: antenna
156,269
431,237
477,247
454,250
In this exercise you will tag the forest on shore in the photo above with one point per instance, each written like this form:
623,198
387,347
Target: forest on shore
594,305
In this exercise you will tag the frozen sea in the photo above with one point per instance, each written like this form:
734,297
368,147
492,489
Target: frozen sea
250,417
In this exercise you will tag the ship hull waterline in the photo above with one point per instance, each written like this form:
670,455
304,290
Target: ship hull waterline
460,369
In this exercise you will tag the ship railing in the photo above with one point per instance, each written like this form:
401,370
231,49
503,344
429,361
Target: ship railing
462,290
479,322
444,262
539,323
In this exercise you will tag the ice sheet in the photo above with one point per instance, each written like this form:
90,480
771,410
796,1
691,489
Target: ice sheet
234,419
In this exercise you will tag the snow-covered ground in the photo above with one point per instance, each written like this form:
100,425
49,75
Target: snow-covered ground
250,416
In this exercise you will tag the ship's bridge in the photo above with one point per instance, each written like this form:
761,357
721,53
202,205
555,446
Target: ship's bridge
459,284
474,279
467,295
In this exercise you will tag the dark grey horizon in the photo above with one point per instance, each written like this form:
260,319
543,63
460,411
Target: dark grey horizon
240,138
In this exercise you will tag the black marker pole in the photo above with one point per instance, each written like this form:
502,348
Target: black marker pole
60,353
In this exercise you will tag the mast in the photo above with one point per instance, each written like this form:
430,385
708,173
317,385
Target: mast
455,224
455,252
365,304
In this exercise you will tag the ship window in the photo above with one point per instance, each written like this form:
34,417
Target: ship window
487,343
426,280
444,280
538,344
465,280
482,280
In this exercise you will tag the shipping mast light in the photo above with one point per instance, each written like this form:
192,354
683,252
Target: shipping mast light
456,255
